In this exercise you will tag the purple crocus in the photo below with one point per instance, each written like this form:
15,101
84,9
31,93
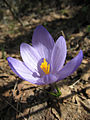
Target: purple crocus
43,62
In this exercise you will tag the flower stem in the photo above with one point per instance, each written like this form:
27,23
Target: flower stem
56,90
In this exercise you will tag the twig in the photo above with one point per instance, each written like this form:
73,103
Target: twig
14,108
13,12
15,86
86,107
63,33
71,86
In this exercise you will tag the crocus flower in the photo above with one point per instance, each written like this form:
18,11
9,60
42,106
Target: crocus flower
43,62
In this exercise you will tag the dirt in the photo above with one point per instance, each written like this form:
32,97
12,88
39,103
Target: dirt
20,100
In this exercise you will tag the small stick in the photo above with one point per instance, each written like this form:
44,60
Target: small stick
15,109
15,86
71,86
63,33
12,12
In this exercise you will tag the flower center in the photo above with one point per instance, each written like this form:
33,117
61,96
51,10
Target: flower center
45,67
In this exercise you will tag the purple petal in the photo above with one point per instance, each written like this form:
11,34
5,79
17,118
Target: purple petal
30,56
47,79
21,70
43,42
58,55
71,66
52,78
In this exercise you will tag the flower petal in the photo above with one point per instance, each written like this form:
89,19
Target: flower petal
43,42
47,79
71,66
58,55
21,70
30,56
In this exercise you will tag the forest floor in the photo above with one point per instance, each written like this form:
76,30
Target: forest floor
20,100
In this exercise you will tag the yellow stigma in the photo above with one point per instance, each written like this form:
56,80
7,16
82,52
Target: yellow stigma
45,67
